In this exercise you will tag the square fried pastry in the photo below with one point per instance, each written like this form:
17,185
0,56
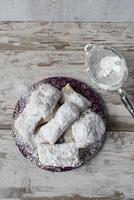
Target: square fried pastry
58,155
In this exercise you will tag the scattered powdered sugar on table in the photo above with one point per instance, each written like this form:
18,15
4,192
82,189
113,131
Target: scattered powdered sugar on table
59,155
21,89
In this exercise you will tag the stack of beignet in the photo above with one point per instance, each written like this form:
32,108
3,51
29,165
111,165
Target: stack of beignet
59,123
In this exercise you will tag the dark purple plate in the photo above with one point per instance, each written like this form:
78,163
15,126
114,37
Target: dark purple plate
86,153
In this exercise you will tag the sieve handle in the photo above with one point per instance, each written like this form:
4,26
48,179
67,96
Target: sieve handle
88,48
126,102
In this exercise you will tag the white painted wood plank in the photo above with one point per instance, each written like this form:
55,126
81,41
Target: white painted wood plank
33,51
64,36
31,66
110,172
64,10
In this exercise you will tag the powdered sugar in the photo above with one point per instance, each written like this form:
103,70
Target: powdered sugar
21,89
109,64
59,155
88,129
43,100
76,98
54,155
25,125
41,104
63,118
106,68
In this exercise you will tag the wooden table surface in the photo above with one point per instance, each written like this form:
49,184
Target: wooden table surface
31,51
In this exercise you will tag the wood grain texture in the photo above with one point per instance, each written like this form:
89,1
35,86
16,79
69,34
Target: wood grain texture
64,10
110,174
32,51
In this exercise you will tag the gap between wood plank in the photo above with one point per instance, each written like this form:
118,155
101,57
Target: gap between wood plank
110,129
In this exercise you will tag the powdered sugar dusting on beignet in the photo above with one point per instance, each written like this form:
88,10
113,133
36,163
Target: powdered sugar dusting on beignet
41,104
88,129
70,95
59,155
63,118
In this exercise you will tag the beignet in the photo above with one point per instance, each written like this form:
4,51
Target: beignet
70,95
64,117
43,101
88,129
40,105
58,155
